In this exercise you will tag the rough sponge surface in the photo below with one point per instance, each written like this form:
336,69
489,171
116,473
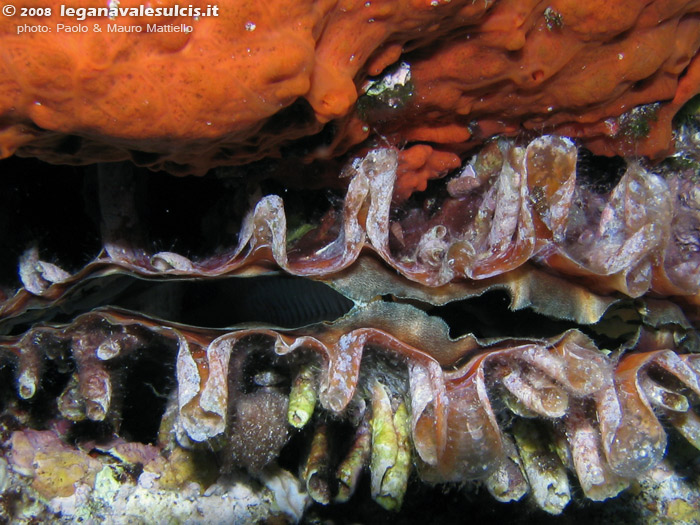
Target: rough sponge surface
261,77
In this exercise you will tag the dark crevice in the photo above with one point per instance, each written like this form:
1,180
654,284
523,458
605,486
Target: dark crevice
310,143
70,144
288,302
598,173
146,388
279,300
43,205
144,158
8,391
489,316
193,216
97,431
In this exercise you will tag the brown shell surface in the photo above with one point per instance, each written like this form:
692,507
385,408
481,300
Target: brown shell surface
634,238
570,365
613,261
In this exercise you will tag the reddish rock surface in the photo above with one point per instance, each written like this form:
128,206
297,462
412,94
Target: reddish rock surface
259,81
